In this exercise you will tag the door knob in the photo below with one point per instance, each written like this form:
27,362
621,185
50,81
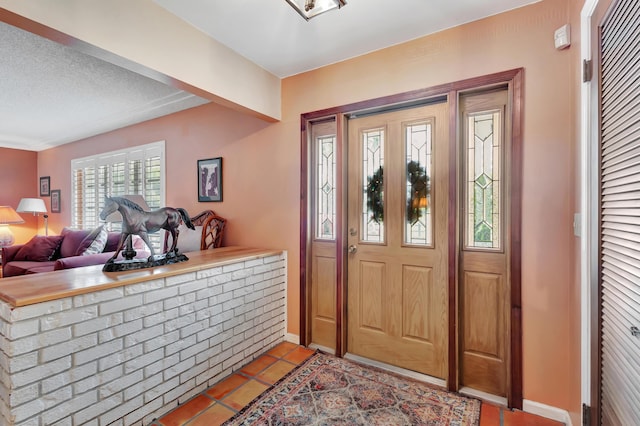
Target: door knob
353,232
635,332
352,249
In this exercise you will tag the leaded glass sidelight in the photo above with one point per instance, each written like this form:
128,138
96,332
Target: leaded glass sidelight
484,188
326,188
373,186
418,165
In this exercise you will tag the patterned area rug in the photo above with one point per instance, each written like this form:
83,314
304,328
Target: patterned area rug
326,390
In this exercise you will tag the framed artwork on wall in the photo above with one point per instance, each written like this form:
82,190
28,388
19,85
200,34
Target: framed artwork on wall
210,179
55,201
45,182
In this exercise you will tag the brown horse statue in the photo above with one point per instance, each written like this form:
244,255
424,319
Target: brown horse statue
136,221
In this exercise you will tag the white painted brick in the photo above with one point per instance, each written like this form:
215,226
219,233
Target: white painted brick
21,329
180,344
160,317
162,341
5,311
131,411
98,408
192,286
119,384
23,395
231,342
65,318
22,362
220,279
44,370
209,332
179,279
75,374
143,360
159,409
98,297
96,380
232,322
157,295
220,298
178,301
97,324
180,367
162,389
143,311
27,410
143,335
97,352
191,351
192,329
31,343
242,309
67,421
179,390
253,262
230,362
232,285
120,357
63,349
220,318
205,273
232,267
191,393
242,291
196,306
120,330
121,304
40,309
161,365
143,287
179,322
233,303
240,274
142,386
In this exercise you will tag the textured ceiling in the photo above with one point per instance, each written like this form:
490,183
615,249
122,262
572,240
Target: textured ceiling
52,94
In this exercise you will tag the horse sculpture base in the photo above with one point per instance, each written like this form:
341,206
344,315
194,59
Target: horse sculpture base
129,265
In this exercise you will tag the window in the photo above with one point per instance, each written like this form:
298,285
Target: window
138,170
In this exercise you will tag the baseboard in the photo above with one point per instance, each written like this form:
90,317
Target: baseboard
497,400
323,348
292,338
547,411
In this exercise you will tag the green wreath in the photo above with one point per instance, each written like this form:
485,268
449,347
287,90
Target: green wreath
375,191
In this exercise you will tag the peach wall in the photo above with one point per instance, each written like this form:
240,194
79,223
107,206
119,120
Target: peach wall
19,179
262,164
519,38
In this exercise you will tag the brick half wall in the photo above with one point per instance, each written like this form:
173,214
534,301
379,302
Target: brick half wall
130,354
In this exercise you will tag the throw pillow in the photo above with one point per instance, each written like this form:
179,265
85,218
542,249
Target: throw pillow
83,245
188,239
39,249
72,240
98,244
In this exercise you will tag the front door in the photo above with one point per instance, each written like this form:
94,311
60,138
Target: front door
397,238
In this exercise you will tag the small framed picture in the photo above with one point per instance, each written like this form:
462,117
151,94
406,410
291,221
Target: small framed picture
45,182
55,201
210,179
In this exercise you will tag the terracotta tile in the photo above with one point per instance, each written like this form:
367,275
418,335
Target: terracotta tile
214,416
489,415
276,372
244,394
258,365
298,355
186,412
229,384
282,349
519,418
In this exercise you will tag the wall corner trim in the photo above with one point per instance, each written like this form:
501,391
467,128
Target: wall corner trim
292,338
547,411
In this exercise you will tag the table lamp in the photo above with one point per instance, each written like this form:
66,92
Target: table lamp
8,216
35,206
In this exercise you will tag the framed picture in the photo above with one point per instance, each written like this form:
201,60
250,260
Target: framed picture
45,182
55,201
210,179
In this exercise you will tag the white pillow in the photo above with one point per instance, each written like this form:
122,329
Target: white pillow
188,239
98,244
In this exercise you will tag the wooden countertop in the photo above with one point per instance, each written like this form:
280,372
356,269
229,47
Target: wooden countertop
30,289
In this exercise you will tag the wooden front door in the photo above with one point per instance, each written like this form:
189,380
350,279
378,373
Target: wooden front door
397,238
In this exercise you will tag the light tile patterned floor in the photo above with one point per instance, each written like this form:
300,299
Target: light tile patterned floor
220,402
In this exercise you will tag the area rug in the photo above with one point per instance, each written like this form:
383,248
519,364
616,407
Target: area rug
326,390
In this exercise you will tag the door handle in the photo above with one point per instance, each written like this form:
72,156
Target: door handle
635,332
352,249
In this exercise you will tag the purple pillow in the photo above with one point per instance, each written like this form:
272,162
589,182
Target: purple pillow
88,240
73,240
39,249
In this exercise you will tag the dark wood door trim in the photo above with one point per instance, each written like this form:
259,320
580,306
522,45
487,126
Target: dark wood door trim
515,80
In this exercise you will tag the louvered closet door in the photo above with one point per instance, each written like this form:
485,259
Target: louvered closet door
620,246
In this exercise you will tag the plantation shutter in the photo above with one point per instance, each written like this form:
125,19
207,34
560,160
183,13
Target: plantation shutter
620,209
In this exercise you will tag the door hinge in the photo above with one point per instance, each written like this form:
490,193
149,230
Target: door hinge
586,415
587,70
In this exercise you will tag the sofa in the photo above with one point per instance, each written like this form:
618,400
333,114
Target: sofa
71,249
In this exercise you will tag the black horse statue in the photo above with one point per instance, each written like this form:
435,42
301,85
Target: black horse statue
136,221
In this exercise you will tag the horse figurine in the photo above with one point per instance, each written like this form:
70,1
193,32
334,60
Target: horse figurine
136,221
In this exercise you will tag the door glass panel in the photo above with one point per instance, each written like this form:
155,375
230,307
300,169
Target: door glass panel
418,224
326,188
484,189
373,186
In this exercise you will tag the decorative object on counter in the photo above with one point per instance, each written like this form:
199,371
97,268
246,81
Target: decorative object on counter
210,179
137,221
35,206
45,186
55,201
8,216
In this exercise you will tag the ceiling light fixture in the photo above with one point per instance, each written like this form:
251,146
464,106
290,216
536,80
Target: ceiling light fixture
310,8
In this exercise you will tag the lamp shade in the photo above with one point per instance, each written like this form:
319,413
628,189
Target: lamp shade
8,216
310,8
32,205
138,199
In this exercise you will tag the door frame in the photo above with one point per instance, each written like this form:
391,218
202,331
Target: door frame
514,80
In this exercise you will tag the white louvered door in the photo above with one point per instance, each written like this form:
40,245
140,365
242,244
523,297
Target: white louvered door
620,211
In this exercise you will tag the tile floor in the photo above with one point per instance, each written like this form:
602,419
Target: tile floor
221,401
